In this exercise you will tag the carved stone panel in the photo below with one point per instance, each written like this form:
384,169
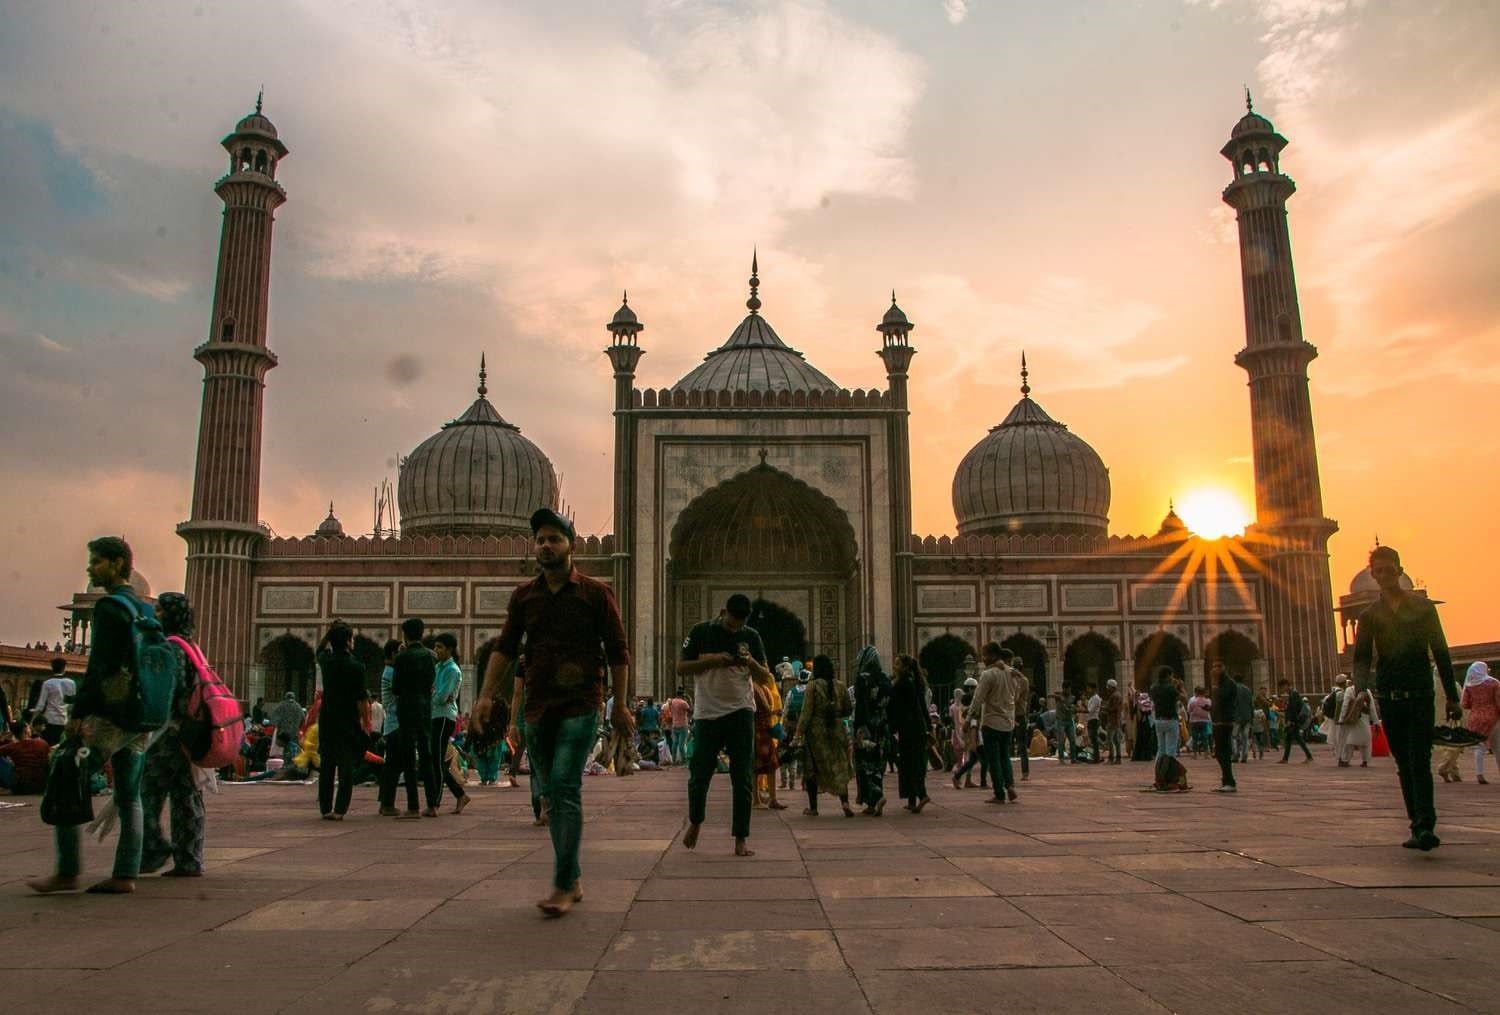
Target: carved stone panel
1076,598
419,600
298,599
1017,597
361,599
947,599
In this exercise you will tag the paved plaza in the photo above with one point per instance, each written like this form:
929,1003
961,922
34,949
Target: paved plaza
1086,896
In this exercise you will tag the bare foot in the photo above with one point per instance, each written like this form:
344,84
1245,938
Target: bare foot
920,804
463,802
560,901
46,886
113,886
690,837
740,849
880,807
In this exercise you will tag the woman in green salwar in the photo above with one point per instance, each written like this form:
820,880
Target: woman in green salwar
825,738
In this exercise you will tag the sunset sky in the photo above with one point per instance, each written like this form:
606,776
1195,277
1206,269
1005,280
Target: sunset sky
481,177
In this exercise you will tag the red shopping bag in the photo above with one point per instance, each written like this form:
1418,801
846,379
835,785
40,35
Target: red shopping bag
1378,745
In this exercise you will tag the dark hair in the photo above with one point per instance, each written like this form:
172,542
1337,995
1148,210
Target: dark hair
17,728
175,613
391,648
413,627
991,648
822,668
738,606
1385,553
449,640
1161,673
1091,686
59,665
113,548
1006,654
340,635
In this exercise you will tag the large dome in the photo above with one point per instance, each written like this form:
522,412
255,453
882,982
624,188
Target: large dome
1030,474
475,476
754,358
1364,583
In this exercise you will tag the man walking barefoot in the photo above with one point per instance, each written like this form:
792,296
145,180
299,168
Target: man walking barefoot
722,654
1398,641
572,628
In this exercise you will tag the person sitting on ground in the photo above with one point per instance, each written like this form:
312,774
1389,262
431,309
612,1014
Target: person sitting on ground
23,761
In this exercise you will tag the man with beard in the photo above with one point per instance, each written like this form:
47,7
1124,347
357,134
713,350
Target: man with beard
572,628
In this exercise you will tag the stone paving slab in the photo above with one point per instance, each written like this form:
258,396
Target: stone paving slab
1088,895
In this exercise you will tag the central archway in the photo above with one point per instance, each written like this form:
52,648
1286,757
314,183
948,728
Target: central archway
787,546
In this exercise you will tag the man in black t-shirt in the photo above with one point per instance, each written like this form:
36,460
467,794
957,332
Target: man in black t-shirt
721,655
414,671
1166,695
341,720
1295,721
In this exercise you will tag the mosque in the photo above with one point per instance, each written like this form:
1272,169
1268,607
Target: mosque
758,473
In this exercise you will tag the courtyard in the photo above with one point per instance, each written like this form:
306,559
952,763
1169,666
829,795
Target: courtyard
1087,895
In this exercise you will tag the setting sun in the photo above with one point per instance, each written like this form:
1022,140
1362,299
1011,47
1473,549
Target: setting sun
1213,512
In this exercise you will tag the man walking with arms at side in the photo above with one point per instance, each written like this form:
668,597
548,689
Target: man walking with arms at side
1398,641
573,629
1298,715
722,654
414,671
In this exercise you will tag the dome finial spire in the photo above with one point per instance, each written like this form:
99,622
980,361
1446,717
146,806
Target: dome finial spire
753,303
483,390
1025,386
1249,105
259,97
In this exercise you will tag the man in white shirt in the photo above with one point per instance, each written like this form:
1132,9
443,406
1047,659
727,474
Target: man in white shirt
994,705
1093,706
57,695
721,655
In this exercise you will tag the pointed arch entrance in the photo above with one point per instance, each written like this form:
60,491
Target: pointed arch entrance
1160,649
781,542
290,666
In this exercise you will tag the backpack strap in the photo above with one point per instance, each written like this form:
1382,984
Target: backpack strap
131,607
193,653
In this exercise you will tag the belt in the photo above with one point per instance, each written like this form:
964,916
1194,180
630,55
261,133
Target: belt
1403,695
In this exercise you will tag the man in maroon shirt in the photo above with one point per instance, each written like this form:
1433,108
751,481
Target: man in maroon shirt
28,753
573,629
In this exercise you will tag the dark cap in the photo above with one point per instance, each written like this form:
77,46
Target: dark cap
546,516
738,606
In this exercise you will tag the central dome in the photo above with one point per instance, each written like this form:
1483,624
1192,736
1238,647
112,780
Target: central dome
754,358
1031,475
475,476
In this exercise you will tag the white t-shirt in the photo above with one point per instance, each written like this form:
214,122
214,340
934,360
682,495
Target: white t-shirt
54,706
1094,703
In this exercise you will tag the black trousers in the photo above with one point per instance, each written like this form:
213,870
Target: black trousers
1022,740
735,734
335,758
442,733
1224,751
1293,734
408,753
1408,729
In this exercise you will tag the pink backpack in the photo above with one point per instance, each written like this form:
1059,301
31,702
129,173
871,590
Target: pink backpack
215,724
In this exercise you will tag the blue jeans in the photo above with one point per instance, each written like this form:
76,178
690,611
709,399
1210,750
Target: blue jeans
1168,734
559,749
679,741
1067,730
127,766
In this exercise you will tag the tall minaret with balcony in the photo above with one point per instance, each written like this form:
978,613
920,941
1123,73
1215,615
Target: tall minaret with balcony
624,354
1290,527
896,351
224,530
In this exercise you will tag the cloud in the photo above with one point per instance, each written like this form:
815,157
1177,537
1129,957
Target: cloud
955,11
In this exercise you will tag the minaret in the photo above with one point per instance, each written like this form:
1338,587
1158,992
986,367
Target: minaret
624,353
224,530
896,350
1290,528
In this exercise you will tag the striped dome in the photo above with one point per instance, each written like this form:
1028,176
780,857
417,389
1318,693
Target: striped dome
1030,474
755,359
475,476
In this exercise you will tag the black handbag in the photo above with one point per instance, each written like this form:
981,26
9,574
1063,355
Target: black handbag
67,799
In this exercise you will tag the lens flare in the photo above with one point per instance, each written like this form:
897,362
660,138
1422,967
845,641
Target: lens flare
1211,512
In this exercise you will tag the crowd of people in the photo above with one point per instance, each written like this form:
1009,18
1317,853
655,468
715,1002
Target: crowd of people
799,725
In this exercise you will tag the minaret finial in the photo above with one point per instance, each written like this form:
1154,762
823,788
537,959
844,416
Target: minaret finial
893,297
625,297
1025,387
330,509
259,97
1249,105
753,303
482,375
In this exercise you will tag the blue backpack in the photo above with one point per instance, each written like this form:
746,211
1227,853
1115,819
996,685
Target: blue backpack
139,698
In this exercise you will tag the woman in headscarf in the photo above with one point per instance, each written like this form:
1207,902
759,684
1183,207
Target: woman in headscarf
825,738
872,696
1356,710
767,718
1481,704
956,727
168,774
1145,732
909,722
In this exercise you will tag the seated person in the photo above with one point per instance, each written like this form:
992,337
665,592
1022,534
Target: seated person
24,768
